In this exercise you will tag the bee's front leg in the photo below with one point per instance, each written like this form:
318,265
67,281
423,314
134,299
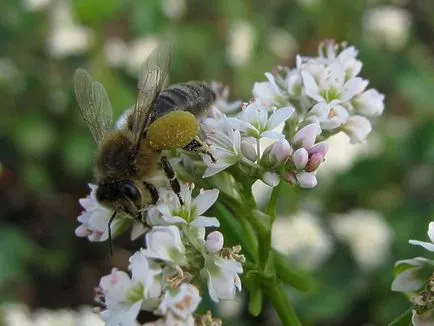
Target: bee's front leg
153,191
196,145
174,183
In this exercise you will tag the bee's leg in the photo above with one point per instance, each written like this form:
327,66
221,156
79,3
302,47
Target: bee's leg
196,145
110,231
174,183
154,192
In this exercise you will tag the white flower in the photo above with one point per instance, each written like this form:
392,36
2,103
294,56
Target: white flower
412,278
222,278
182,302
329,83
95,218
191,210
369,103
357,128
282,43
225,145
214,242
240,44
121,309
68,40
164,242
138,50
222,96
329,115
367,234
302,237
427,245
147,272
115,51
269,93
389,25
346,56
254,121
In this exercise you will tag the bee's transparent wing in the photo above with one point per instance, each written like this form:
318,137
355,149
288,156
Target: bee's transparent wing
151,79
94,104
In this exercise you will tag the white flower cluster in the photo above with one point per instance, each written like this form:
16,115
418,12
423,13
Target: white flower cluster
319,98
415,277
177,252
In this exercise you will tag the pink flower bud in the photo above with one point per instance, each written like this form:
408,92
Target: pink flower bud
289,177
300,158
281,150
306,180
314,162
214,242
306,136
248,150
321,148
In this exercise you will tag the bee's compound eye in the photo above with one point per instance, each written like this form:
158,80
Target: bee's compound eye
128,189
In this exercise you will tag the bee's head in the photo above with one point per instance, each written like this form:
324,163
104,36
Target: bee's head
124,195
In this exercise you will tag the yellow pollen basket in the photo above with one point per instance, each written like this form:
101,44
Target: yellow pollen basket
173,130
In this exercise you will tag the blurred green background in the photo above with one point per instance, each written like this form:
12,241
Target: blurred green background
46,152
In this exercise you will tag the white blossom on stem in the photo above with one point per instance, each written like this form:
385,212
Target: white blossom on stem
122,307
222,278
164,243
191,210
182,302
255,121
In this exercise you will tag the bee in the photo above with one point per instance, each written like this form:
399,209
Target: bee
127,158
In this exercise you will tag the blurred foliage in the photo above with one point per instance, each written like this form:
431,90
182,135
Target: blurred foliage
46,152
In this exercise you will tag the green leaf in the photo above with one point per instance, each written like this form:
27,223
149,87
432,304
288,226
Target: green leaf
256,301
286,273
95,12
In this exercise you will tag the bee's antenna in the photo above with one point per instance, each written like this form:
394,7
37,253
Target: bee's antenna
110,231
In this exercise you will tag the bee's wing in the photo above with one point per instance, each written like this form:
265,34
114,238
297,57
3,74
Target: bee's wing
94,104
152,76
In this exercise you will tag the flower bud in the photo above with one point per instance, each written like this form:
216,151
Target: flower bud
289,177
248,150
357,128
369,103
281,150
300,158
321,148
306,136
214,242
270,178
314,162
306,180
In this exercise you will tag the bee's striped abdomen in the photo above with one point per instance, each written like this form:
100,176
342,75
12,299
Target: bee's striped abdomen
195,97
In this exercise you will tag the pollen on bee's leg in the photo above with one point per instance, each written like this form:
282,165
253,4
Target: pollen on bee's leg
173,130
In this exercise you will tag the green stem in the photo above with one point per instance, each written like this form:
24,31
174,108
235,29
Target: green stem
282,305
271,207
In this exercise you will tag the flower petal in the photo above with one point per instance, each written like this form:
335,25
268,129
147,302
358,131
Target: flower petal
204,222
427,245
205,200
279,116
